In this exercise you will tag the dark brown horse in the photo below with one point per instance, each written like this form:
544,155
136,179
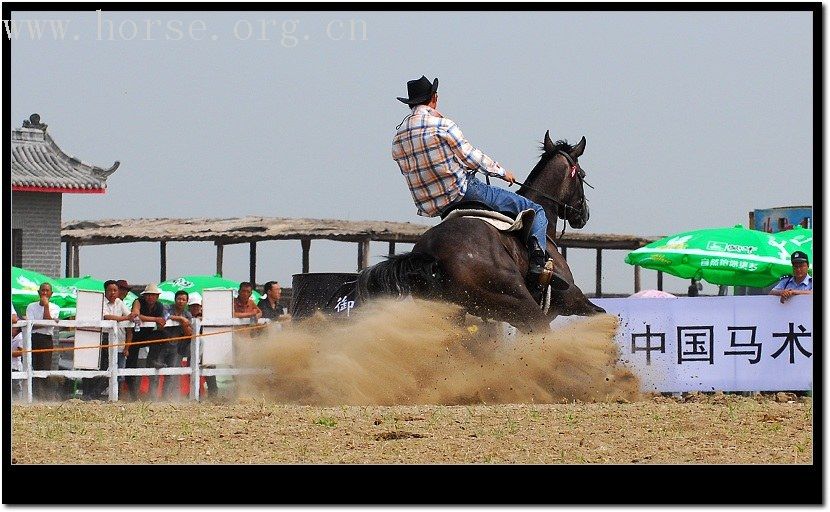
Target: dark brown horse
469,262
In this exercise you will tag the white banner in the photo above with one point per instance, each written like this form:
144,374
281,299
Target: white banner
743,343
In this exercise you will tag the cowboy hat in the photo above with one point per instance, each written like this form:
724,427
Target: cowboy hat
151,288
419,90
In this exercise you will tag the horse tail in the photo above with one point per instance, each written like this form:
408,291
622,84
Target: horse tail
400,275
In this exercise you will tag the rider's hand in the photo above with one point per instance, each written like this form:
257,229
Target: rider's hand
508,177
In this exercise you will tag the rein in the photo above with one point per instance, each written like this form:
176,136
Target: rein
574,174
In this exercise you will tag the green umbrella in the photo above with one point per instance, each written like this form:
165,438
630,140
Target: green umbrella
25,284
90,283
734,256
198,283
797,239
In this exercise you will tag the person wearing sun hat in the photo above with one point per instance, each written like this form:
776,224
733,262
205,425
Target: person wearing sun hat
799,283
149,309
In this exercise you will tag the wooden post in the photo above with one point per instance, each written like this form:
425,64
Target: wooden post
636,278
599,273
68,270
163,273
253,264
362,254
660,280
306,243
564,253
391,248
76,260
220,249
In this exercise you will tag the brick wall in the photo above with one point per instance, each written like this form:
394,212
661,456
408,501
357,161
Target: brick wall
38,215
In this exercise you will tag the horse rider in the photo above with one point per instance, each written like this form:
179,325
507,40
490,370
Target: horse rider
440,165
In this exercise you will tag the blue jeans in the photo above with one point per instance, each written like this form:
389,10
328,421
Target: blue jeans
506,201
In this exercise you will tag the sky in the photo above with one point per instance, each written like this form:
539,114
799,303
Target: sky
692,119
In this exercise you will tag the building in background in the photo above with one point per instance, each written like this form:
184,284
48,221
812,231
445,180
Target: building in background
40,173
782,218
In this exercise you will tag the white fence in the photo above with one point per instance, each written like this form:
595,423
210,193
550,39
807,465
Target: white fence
217,323
196,369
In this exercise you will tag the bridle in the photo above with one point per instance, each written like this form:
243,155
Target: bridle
575,172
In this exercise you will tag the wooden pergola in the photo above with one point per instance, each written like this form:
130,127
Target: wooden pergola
251,230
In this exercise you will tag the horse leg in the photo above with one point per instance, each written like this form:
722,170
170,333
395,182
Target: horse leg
505,298
571,301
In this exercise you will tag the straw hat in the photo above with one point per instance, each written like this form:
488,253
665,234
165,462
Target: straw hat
151,288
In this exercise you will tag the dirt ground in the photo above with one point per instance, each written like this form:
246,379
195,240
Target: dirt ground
711,429
404,382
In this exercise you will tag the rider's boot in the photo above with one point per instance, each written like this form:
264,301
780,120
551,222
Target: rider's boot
536,264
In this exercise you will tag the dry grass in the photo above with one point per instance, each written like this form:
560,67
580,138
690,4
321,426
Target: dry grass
716,429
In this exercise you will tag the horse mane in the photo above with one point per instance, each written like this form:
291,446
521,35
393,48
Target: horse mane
546,156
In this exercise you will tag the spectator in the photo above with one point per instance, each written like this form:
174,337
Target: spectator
270,304
166,355
17,356
800,283
15,330
149,309
123,290
194,304
243,304
113,309
694,288
42,339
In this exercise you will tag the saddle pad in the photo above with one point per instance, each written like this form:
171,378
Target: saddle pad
499,221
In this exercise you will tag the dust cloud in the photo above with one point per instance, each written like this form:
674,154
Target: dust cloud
422,352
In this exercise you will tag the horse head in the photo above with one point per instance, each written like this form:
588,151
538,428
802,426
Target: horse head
557,182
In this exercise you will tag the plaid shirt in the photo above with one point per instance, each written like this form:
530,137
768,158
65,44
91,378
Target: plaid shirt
436,159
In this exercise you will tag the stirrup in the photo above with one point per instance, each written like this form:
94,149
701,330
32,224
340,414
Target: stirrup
549,278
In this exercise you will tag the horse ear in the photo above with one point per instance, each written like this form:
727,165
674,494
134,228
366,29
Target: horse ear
548,143
577,151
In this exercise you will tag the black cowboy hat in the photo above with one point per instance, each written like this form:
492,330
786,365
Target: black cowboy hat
799,257
419,90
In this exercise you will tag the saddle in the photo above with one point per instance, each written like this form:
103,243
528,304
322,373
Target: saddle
520,224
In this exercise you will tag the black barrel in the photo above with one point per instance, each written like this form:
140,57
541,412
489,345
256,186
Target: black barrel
313,290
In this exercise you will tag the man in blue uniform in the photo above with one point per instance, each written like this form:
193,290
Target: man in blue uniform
800,283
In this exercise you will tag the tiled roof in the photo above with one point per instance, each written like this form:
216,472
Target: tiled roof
38,163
